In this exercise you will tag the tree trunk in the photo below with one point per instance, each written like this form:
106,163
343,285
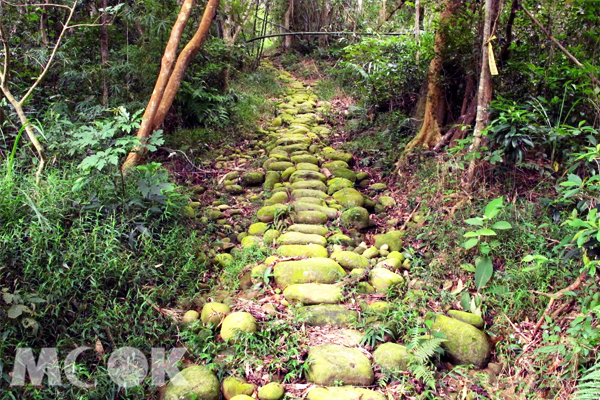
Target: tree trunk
104,52
417,25
161,105
484,93
382,12
44,25
166,69
505,52
430,132
287,44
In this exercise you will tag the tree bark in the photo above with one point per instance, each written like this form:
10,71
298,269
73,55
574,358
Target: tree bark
430,132
169,79
104,52
484,93
287,44
505,52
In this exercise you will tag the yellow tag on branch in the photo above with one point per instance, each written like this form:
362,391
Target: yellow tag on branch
493,68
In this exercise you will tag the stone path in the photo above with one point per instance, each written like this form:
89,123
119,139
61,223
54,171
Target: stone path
320,256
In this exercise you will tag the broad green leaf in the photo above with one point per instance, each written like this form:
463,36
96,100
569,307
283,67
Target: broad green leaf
501,225
574,178
531,257
470,234
469,244
474,221
465,301
493,207
483,272
485,232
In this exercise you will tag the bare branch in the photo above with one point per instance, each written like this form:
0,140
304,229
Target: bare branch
37,5
4,76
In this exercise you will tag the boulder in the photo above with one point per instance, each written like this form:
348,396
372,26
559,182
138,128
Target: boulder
193,382
391,356
313,293
309,250
392,238
344,173
344,393
271,391
290,238
382,279
330,364
213,313
464,343
327,315
467,317
253,178
258,229
349,197
337,184
350,260
311,270
237,321
233,387
355,218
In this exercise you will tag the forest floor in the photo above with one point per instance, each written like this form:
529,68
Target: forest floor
342,280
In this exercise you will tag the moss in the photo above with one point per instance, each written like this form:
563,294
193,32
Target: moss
349,197
464,343
193,382
310,250
237,321
382,279
233,387
313,293
355,217
311,229
391,356
258,228
331,363
267,213
309,217
350,260
311,270
337,184
213,313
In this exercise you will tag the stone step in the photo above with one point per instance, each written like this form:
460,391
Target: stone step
307,167
327,315
311,200
313,293
293,139
299,250
310,270
331,213
313,229
331,364
344,393
301,238
305,158
313,185
309,217
306,175
299,193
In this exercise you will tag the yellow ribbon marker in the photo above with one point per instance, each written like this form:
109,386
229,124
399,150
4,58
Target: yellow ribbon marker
493,68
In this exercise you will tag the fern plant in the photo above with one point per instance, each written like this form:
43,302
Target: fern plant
588,387
423,346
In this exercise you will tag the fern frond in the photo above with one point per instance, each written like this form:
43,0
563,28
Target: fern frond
423,373
427,349
588,387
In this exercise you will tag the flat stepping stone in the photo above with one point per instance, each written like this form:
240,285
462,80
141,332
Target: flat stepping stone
310,270
300,193
290,148
291,238
338,155
344,393
313,185
305,228
327,315
293,139
311,200
306,175
313,293
279,166
309,217
335,164
331,213
330,364
382,279
300,250
349,197
305,158
350,260
337,184
307,167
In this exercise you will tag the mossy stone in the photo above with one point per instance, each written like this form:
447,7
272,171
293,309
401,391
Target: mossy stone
279,166
339,155
378,187
337,184
213,313
233,387
267,213
306,175
313,293
387,201
253,178
285,175
350,260
189,317
344,393
271,179
307,167
313,185
271,236
391,356
309,250
344,173
271,391
380,307
311,270
364,288
349,197
371,252
397,255
214,215
335,164
301,238
193,382
303,193
237,321
224,259
234,189
305,158
242,397
355,218
331,213
309,217
310,229
382,279
467,317
332,363
251,241
258,228
392,238
277,198
361,176
464,343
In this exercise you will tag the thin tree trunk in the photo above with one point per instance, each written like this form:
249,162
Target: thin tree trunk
166,70
104,52
44,25
287,43
417,25
484,93
161,105
430,132
505,52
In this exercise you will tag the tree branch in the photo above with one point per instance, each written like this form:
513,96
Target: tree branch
4,76
327,34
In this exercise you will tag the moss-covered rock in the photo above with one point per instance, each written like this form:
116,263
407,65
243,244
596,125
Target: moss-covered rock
189,317
285,175
307,167
341,239
279,166
197,382
380,307
378,187
306,175
271,236
309,250
355,218
464,343
311,270
330,364
344,173
391,356
237,321
301,238
392,238
361,176
364,288
337,184
277,198
467,317
234,189
331,165
350,260
304,193
305,158
271,178
251,241
233,386
258,229
309,217
310,229
382,279
313,293
267,213
253,178
338,155
242,397
327,315
349,197
223,259
371,252
344,393
386,201
271,391
312,185
331,213
213,313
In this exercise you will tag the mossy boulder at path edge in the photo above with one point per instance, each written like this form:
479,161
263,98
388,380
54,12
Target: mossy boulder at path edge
464,344
237,321
193,382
